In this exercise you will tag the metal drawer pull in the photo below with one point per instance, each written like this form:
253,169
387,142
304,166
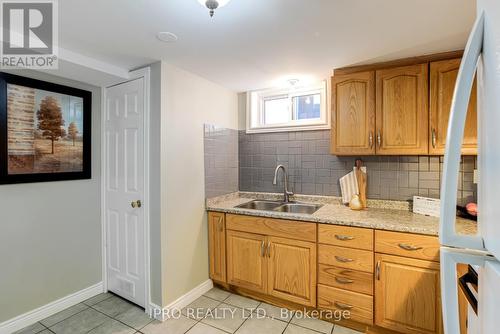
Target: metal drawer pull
343,280
343,237
433,139
377,271
262,248
269,249
343,259
379,139
409,247
370,139
343,306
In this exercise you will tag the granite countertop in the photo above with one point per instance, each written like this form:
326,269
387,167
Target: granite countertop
380,214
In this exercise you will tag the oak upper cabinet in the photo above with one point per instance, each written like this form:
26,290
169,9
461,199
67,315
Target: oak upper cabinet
407,295
353,113
246,260
217,246
443,75
292,270
402,110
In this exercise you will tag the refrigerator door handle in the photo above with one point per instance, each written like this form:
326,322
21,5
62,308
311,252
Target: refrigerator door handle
450,257
471,298
456,124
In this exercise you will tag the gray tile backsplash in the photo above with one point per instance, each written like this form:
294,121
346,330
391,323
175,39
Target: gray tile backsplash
221,160
313,170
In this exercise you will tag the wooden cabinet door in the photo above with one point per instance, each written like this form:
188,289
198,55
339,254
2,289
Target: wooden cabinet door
407,295
246,261
442,78
292,270
353,114
217,246
402,116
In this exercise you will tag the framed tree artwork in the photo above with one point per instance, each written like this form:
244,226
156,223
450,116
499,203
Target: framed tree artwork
45,131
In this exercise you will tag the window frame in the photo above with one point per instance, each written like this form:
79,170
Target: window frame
256,109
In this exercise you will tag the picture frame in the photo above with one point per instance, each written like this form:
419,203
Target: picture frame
45,131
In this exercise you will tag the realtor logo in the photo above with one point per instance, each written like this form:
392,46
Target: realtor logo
29,34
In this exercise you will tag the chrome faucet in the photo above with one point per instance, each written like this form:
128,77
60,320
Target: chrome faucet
286,193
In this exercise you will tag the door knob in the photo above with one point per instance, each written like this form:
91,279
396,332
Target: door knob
136,204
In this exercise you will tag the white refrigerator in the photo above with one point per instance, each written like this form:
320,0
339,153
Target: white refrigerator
482,251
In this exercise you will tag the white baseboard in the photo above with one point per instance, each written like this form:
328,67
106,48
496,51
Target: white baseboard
45,311
182,301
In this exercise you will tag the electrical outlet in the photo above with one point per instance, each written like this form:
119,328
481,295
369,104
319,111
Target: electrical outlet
475,177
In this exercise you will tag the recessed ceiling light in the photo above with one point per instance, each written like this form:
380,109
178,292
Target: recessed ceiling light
167,37
293,82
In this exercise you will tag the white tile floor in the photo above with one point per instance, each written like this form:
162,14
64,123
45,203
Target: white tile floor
217,312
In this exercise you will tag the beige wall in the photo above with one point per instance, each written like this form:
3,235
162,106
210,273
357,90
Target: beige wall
50,233
242,111
189,102
155,205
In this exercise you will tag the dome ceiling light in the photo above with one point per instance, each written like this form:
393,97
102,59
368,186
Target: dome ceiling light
212,5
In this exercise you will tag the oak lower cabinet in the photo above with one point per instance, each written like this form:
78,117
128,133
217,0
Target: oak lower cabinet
246,261
292,270
217,246
382,279
407,294
345,271
280,267
359,306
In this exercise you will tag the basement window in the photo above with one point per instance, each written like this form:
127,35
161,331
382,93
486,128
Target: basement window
291,109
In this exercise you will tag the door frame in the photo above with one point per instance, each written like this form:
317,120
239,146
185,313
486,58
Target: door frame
145,74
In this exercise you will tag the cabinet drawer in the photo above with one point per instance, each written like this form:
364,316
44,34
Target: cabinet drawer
351,280
417,246
347,258
273,227
360,306
355,237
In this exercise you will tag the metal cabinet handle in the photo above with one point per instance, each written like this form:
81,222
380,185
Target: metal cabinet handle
343,237
433,138
377,271
370,139
343,306
409,247
343,280
262,248
343,259
379,138
269,249
136,204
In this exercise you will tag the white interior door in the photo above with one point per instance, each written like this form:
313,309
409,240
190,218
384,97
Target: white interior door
124,190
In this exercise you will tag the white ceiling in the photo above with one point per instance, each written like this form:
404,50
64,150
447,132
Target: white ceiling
250,44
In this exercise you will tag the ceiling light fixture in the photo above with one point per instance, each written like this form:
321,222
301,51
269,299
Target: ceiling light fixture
212,5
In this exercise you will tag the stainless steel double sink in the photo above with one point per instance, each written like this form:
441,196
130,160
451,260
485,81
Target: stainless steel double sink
277,206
